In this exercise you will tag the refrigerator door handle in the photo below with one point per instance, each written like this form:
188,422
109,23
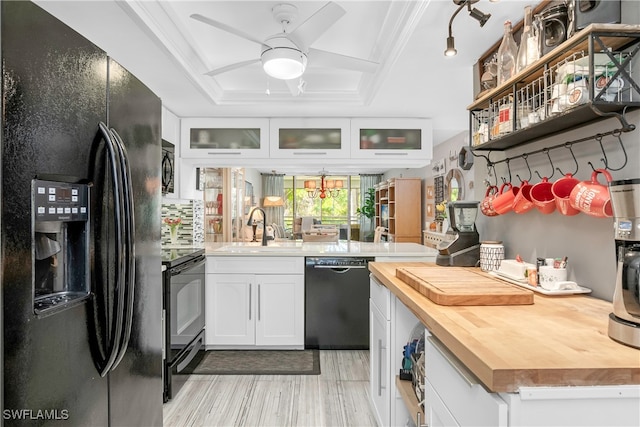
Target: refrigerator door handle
129,229
117,323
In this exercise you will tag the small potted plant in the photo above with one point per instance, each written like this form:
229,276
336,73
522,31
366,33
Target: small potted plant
368,210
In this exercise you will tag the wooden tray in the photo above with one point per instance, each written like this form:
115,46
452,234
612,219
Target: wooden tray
462,286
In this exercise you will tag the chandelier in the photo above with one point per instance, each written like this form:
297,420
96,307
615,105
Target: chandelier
328,187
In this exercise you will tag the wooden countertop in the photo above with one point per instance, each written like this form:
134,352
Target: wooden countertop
557,341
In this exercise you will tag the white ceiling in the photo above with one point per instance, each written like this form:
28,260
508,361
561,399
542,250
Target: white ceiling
170,52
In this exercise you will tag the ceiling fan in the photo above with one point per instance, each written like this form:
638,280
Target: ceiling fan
285,55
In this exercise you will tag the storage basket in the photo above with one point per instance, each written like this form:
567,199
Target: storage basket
417,376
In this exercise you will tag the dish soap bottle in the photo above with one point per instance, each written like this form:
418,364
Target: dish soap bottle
507,53
528,52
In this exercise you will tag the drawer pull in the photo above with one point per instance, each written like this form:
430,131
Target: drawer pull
380,349
391,154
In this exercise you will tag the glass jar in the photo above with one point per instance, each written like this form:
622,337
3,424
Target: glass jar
528,52
507,53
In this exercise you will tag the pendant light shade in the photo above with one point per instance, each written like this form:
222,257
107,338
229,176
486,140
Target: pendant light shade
328,187
272,201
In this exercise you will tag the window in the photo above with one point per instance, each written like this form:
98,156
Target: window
338,208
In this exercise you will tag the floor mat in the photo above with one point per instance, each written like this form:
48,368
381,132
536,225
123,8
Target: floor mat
256,362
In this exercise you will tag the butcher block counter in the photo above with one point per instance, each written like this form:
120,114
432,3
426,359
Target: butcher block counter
556,341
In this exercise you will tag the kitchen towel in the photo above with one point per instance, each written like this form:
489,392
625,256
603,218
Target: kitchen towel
256,362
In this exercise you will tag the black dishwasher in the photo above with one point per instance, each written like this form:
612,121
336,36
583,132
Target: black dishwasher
337,303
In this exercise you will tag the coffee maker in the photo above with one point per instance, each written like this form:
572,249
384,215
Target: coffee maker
624,322
461,244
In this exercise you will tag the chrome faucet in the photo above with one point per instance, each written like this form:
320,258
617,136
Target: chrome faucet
264,222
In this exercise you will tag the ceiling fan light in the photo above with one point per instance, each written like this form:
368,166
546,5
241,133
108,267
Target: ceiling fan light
284,63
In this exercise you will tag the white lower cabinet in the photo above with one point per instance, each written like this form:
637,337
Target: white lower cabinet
264,308
455,396
437,413
230,312
575,406
379,365
391,327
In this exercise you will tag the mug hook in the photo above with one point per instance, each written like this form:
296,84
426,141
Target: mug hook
617,134
553,169
524,157
603,159
568,146
495,176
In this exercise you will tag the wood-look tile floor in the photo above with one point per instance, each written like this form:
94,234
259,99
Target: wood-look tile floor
339,396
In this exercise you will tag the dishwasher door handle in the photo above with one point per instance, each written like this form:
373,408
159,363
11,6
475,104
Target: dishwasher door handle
340,270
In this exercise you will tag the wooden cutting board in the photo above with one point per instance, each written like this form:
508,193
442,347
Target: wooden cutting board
462,286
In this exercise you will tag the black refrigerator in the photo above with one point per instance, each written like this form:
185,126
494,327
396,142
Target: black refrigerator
81,264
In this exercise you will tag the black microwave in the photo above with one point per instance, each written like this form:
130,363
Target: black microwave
168,166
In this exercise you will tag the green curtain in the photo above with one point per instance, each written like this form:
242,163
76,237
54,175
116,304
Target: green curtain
367,225
273,185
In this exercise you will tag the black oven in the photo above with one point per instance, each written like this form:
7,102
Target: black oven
183,304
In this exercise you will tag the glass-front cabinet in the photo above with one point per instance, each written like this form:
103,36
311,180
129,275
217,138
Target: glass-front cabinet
309,138
223,191
386,139
225,138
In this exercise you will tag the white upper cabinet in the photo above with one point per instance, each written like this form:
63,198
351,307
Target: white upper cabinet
309,138
230,138
170,127
391,140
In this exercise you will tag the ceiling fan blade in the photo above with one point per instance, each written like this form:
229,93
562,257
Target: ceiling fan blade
226,28
294,86
311,29
231,67
319,57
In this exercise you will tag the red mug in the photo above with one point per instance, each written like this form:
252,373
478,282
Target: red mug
561,190
522,202
542,197
591,197
486,206
503,201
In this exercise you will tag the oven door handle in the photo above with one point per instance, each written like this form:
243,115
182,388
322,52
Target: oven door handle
196,262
